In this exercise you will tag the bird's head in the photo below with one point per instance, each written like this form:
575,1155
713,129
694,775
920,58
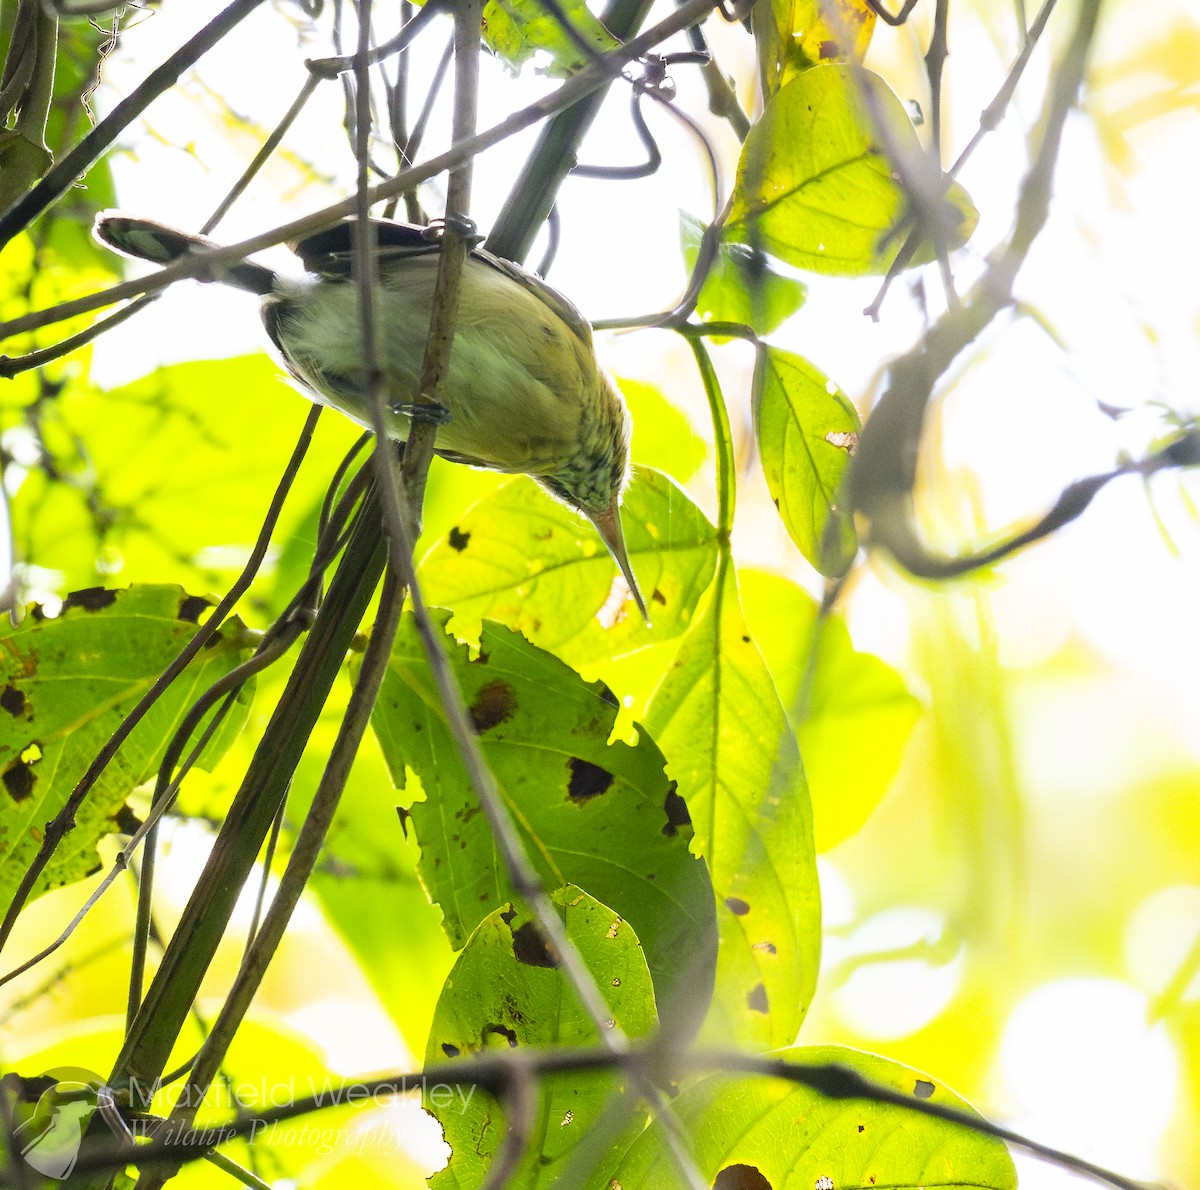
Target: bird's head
594,478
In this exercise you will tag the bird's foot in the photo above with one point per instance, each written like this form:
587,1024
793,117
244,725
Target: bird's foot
429,411
460,225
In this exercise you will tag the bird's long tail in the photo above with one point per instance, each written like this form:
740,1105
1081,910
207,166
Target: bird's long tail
156,242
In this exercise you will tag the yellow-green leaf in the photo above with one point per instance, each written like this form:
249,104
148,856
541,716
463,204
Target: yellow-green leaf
729,745
815,186
518,29
793,35
807,431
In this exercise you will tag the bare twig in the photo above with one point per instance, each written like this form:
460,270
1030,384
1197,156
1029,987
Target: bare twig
64,821
495,1070
883,472
988,122
200,263
62,176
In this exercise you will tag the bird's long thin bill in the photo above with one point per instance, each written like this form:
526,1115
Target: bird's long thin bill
608,525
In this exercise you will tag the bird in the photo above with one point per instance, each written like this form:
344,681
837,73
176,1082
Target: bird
524,392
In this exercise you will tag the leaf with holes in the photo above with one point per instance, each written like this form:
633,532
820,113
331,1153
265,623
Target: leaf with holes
523,559
794,35
772,1134
67,683
505,990
599,815
516,30
734,754
816,186
807,431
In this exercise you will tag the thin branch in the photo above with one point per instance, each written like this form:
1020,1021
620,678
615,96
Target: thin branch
202,263
892,18
935,64
303,858
883,471
64,820
988,122
62,176
496,1070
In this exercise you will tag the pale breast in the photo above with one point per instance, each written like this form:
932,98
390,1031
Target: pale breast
518,374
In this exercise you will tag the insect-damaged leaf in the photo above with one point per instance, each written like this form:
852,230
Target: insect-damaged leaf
815,184
735,757
526,560
794,35
599,815
807,431
518,29
505,991
66,685
795,1138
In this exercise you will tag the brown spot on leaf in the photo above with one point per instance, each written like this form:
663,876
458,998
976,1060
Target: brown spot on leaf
529,947
587,780
737,906
91,599
676,811
765,947
923,1088
13,701
756,999
846,440
191,608
451,1051
741,1177
658,597
458,539
18,780
128,823
493,705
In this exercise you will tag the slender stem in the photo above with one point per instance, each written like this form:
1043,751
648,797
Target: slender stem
64,821
495,1070
304,855
197,263
206,916
883,471
722,439
59,179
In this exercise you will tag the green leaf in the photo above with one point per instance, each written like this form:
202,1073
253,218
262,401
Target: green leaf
815,187
602,816
168,476
794,35
791,1137
67,683
807,431
837,700
719,720
741,285
663,437
524,560
515,30
505,991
